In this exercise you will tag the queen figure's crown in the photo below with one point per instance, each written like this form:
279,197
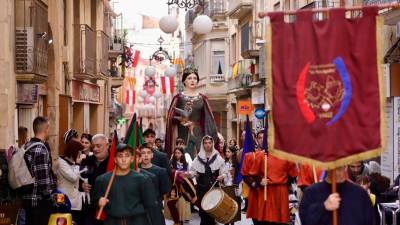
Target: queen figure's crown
190,69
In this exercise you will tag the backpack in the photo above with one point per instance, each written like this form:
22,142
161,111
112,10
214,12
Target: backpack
18,172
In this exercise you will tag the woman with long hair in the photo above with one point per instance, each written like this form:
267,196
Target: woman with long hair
178,207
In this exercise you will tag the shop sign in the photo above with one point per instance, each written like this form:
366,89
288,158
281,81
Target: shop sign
27,93
245,107
85,92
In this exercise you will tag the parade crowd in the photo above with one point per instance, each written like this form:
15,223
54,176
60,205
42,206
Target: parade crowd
193,169
172,186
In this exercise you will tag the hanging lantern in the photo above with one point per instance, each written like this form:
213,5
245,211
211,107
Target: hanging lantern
150,71
202,24
170,71
168,24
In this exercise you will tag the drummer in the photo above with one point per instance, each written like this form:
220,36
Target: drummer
207,168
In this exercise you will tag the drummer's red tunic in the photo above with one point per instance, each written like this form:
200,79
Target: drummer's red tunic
251,165
276,208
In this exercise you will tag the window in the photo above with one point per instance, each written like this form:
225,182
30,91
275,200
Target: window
245,38
218,62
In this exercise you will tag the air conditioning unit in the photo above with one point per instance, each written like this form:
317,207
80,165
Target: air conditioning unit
24,49
398,29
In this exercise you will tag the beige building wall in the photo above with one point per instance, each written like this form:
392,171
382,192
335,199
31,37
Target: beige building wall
7,74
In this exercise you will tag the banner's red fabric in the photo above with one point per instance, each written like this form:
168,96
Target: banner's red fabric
325,86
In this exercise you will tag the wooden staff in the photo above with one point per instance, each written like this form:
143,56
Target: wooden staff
314,174
107,192
334,190
353,8
265,175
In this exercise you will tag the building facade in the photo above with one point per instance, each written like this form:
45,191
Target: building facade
55,61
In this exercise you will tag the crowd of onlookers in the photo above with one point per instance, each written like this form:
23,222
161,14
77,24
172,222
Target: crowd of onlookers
85,157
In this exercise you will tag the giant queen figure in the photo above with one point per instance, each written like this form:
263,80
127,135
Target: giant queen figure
189,116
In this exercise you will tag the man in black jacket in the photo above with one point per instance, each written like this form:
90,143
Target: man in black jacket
95,165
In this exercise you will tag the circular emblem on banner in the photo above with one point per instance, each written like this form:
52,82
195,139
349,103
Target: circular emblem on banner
324,91
259,113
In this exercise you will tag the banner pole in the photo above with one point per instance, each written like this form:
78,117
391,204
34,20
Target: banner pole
353,8
334,190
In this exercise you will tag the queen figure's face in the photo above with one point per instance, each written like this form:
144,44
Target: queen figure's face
191,81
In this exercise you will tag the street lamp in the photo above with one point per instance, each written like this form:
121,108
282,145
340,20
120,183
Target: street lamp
185,4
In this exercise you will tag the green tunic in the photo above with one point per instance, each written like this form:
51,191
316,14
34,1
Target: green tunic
156,215
160,159
131,196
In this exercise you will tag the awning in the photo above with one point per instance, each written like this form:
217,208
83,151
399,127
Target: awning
393,55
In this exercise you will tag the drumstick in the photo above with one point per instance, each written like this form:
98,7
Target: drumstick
107,192
265,176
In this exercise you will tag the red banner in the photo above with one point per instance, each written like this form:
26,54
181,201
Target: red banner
327,91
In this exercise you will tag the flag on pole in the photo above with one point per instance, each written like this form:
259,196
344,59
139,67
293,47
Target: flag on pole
167,85
136,57
114,143
130,98
247,147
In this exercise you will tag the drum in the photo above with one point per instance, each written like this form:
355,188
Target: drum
219,205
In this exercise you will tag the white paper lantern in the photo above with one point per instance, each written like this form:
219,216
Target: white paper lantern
143,94
152,99
150,71
202,24
168,24
157,95
170,71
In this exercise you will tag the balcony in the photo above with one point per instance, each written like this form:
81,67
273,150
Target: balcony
240,8
217,78
102,53
215,9
247,48
84,52
32,36
189,18
116,47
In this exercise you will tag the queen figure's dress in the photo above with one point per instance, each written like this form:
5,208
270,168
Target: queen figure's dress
200,114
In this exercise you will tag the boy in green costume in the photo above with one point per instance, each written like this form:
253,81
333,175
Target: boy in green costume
131,195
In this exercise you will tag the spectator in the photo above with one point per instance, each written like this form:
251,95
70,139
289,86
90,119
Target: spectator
96,165
36,198
158,144
86,140
356,169
379,183
22,140
365,183
71,134
68,177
